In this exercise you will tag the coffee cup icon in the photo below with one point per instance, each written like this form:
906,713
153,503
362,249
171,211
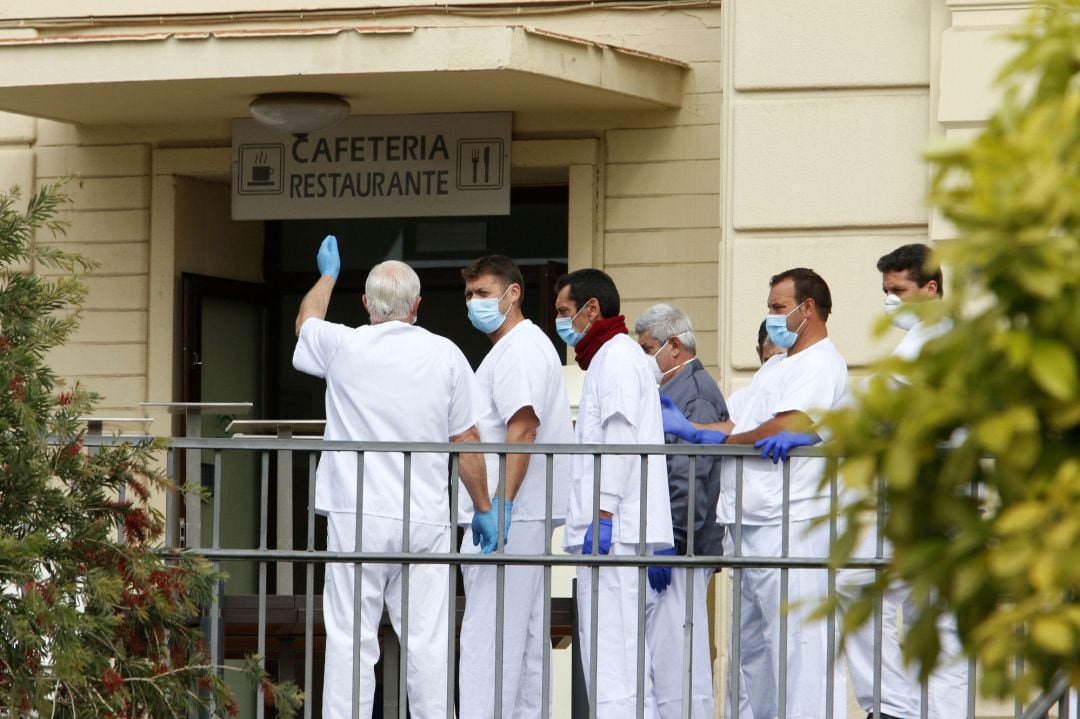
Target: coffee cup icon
262,174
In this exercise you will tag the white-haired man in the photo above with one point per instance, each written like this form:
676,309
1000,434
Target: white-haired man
388,381
666,335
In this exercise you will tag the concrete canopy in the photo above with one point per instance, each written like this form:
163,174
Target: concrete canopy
179,77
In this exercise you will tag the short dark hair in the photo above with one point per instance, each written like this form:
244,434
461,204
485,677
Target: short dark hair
917,260
499,266
808,285
589,283
762,335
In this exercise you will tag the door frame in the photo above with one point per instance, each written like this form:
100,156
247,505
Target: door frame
577,161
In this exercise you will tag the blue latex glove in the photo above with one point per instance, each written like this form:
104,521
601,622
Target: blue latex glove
660,577
328,258
605,537
506,508
675,422
777,446
485,530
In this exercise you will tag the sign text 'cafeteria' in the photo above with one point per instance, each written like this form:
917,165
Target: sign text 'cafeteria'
377,166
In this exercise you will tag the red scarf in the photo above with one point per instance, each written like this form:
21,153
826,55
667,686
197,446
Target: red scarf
600,332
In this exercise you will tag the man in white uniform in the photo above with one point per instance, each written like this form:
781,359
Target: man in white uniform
907,276
619,405
388,381
666,335
788,392
524,400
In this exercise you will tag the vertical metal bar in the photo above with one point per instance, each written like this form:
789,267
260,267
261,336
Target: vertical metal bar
216,648
735,660
785,540
451,619
309,594
264,489
924,698
879,603
283,539
1018,705
642,584
500,589
358,585
193,478
830,627
171,504
545,677
594,599
970,690
690,577
406,570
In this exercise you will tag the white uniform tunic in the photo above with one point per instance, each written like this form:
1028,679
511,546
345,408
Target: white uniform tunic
390,382
619,405
900,691
811,381
521,370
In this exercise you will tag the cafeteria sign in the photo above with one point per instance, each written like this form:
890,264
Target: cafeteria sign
376,166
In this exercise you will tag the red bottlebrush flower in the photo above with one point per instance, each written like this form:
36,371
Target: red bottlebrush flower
231,708
5,344
65,398
139,489
111,681
268,692
135,525
205,682
17,387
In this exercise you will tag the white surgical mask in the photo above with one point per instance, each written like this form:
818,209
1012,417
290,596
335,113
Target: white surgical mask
654,365
894,308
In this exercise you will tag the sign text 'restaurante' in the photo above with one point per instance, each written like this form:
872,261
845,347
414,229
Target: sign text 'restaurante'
369,183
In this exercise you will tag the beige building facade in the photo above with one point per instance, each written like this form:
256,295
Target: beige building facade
698,147
704,146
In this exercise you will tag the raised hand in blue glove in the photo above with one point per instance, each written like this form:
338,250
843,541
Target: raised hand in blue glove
506,508
605,537
660,577
485,530
777,446
328,258
675,422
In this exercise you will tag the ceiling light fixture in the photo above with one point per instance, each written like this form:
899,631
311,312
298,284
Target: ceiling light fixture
299,112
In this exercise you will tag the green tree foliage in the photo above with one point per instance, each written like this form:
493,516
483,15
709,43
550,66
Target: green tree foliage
94,620
991,530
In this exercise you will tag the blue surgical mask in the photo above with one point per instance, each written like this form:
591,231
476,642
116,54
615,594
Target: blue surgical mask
781,336
565,327
484,313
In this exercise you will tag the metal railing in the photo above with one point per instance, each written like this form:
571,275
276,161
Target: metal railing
263,555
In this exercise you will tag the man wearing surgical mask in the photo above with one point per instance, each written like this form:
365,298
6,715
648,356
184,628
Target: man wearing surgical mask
523,401
619,405
909,277
789,392
667,337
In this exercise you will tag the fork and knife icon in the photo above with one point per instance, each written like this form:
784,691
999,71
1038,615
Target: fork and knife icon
476,162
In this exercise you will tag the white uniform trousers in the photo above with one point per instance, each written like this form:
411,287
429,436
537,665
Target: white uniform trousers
616,638
523,632
665,620
948,684
429,599
759,624
901,694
